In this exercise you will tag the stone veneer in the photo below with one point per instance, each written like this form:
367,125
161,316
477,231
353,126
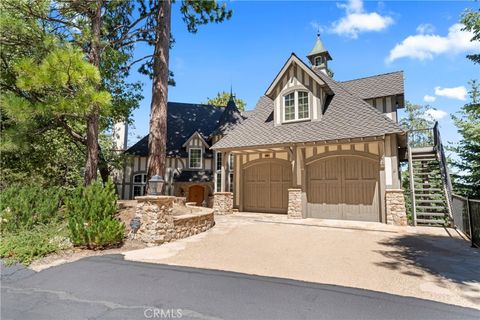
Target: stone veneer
395,205
295,203
223,203
189,225
156,219
158,224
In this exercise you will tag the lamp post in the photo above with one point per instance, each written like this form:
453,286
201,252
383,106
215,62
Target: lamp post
155,185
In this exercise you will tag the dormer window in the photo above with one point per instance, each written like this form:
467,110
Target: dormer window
295,106
195,158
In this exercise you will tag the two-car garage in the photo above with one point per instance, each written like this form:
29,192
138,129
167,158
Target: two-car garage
343,186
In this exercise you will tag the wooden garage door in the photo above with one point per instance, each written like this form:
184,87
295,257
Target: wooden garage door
343,187
265,186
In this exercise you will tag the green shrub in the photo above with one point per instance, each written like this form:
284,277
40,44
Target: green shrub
91,216
28,206
25,245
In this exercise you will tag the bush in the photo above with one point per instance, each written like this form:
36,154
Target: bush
28,206
91,216
25,245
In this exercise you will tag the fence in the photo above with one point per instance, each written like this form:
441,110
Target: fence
466,217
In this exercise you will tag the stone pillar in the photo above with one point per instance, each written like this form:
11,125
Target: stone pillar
396,211
295,204
156,219
223,203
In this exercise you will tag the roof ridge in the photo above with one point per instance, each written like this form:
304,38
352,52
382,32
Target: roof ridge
373,76
197,104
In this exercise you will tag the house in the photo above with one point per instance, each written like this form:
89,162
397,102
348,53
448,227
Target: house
190,166
312,147
315,147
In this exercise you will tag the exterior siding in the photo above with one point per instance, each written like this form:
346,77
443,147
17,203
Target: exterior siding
295,78
303,154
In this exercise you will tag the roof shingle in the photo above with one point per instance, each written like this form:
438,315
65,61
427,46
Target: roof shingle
381,85
347,116
183,119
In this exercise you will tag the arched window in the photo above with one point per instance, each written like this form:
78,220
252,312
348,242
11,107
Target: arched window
296,106
318,61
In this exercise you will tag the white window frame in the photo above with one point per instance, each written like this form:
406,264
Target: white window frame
295,101
190,156
318,58
218,172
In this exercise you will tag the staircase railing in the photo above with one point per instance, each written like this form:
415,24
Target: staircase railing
447,182
430,137
412,188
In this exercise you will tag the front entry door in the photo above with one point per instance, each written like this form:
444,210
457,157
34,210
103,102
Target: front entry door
196,194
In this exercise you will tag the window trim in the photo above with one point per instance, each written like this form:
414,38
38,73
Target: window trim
142,185
218,168
296,109
189,158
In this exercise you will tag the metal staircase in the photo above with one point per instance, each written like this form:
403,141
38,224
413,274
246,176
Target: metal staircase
429,179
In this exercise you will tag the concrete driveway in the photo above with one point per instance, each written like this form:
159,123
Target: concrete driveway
423,262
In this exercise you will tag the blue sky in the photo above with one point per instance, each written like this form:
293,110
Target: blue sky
364,38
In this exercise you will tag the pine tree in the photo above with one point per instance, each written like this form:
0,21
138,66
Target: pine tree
467,178
221,100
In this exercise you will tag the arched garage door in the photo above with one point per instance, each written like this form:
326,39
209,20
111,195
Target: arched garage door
344,187
265,185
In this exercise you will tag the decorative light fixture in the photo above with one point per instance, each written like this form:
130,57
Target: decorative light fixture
155,185
134,226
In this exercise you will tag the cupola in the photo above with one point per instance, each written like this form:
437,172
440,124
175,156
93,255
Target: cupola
319,56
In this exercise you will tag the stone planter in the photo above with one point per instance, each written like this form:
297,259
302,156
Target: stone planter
158,224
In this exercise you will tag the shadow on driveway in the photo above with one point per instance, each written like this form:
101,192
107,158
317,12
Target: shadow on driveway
449,257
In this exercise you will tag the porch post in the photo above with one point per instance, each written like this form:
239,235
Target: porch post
223,186
294,162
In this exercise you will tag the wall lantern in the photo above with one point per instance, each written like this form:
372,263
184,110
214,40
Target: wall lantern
155,185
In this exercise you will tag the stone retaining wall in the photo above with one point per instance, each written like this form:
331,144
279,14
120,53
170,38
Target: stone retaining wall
395,205
189,225
158,224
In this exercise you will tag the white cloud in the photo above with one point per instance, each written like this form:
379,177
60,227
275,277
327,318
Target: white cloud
459,93
425,28
428,98
316,26
435,114
425,46
357,20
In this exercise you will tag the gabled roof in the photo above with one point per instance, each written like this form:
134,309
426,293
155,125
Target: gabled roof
196,135
347,116
381,85
293,59
183,120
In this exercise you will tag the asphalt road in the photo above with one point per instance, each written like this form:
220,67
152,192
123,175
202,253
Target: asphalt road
108,287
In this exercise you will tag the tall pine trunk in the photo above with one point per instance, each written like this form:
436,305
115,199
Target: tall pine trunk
158,109
91,164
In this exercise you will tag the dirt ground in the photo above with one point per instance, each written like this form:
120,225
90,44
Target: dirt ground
430,263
